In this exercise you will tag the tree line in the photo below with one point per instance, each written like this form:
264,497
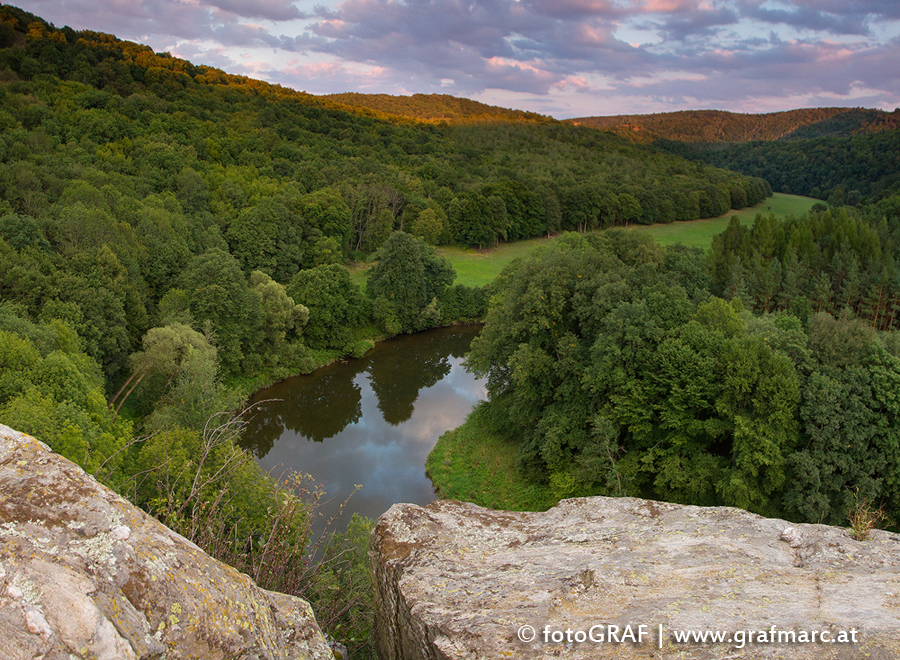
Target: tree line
841,260
706,128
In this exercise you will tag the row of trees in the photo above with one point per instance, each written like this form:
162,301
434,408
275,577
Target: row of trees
612,364
828,261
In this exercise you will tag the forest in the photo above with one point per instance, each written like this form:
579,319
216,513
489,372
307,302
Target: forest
620,368
708,127
839,155
436,108
173,237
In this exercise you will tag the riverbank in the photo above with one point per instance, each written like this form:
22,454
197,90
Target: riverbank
475,464
320,358
324,358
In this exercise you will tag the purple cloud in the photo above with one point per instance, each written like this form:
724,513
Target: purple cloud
655,54
273,10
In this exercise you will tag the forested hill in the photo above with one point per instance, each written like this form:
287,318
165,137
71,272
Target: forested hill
139,190
225,147
841,155
436,108
721,126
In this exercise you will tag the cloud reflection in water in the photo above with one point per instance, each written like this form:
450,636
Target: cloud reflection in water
370,421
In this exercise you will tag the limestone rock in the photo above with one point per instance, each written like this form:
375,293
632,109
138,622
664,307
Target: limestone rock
84,574
454,581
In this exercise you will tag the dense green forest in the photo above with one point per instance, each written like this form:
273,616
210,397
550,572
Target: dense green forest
617,367
172,236
716,126
842,155
436,108
839,169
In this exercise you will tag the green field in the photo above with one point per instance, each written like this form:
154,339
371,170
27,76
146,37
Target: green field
473,267
478,267
699,233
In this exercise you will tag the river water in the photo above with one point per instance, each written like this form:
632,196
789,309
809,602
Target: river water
370,421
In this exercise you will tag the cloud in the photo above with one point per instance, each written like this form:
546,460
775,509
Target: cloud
242,34
156,20
340,77
579,9
662,54
784,69
809,18
479,45
273,10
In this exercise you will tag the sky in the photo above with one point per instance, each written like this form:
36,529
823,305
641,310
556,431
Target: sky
564,58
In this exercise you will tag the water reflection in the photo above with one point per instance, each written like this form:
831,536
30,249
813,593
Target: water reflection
399,374
318,406
370,421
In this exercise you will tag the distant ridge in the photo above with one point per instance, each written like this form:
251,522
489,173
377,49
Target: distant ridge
721,126
435,108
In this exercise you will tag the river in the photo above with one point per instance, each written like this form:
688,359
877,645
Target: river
370,421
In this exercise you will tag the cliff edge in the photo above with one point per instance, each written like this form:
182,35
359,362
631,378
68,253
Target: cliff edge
627,578
84,574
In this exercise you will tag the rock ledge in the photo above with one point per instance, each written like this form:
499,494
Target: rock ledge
84,574
455,581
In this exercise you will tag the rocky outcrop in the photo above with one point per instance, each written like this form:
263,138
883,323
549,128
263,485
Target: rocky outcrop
84,574
623,578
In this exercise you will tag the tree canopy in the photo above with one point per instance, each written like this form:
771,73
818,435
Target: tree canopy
616,374
408,280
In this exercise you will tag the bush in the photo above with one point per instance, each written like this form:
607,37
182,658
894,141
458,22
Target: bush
203,486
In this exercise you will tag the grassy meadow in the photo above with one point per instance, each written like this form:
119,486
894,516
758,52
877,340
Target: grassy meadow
478,267
699,233
473,464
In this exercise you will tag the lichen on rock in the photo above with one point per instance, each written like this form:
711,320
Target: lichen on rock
455,581
84,574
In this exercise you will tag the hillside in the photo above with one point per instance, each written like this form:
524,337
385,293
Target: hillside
842,155
721,126
145,201
435,108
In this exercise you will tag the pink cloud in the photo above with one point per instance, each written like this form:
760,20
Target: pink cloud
547,53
